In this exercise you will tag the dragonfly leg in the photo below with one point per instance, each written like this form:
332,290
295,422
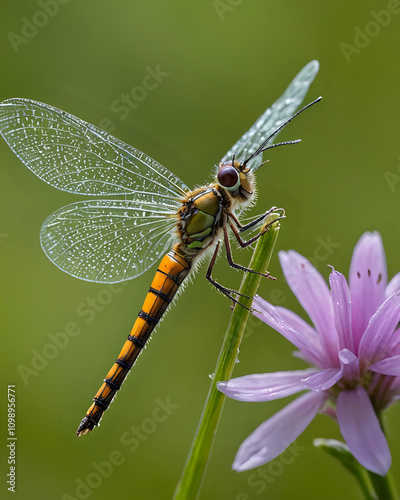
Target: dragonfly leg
238,228
238,266
226,291
258,219
253,222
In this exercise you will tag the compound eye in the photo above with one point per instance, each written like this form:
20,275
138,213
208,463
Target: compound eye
228,178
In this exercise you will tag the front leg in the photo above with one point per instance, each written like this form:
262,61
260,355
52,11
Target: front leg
238,228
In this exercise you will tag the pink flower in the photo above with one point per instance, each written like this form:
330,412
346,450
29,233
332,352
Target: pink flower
354,349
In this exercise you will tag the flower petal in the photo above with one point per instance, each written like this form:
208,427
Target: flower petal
393,285
278,432
341,309
368,278
308,332
393,346
323,380
273,317
350,365
393,394
388,366
299,324
376,341
313,294
264,386
360,428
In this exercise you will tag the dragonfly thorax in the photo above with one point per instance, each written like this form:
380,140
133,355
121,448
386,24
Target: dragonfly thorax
200,217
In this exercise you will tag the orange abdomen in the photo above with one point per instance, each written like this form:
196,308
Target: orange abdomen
170,274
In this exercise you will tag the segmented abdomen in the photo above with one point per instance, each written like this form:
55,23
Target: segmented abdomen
170,274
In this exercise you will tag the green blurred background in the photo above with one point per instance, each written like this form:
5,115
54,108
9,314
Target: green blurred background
225,62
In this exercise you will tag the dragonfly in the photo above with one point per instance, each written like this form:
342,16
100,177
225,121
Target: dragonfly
145,211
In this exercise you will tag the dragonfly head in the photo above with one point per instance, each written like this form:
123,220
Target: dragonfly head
235,178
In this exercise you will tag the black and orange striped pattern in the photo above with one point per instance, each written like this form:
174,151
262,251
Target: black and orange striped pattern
170,274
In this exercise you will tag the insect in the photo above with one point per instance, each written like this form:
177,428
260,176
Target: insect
149,211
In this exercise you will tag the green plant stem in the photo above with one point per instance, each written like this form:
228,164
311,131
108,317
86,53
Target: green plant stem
200,453
365,484
384,486
341,452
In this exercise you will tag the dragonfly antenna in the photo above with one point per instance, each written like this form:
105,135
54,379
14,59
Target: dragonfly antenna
262,148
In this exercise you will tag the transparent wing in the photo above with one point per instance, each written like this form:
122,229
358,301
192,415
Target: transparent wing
107,241
78,157
273,117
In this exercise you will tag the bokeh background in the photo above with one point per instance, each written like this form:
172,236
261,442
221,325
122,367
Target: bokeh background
223,63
